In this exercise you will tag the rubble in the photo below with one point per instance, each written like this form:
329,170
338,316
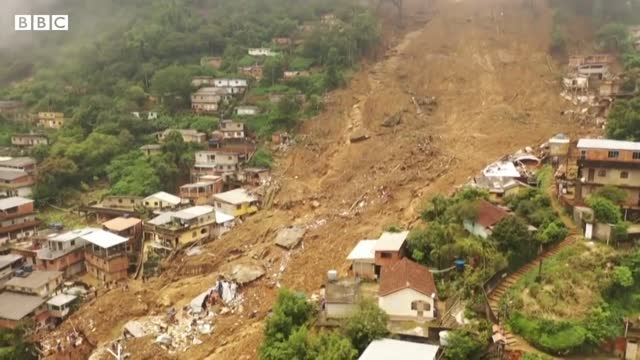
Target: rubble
393,120
358,136
290,237
246,273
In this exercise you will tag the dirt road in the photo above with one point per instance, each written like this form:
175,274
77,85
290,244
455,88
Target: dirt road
486,63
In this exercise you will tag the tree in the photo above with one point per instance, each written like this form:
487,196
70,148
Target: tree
290,312
332,346
173,85
554,232
612,193
613,37
333,78
261,158
624,120
604,210
273,71
368,323
511,234
55,174
464,345
622,277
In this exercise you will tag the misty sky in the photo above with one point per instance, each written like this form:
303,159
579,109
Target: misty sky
9,8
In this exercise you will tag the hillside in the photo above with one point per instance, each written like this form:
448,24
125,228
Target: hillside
486,64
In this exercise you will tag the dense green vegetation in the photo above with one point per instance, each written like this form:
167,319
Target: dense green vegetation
288,335
14,345
146,61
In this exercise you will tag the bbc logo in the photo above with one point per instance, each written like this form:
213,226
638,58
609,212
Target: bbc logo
41,22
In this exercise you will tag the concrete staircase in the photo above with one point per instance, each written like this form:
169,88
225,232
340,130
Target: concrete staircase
514,342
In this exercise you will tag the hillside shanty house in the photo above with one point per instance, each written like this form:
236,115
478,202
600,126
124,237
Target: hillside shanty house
237,202
14,182
362,257
162,200
232,129
151,149
15,307
216,162
253,176
106,255
390,249
148,115
407,291
38,283
17,218
29,140
609,162
171,229
113,206
128,227
188,135
64,252
51,120
8,264
231,86
20,163
487,216
559,145
244,110
207,99
261,52
60,305
282,41
200,81
201,192
254,71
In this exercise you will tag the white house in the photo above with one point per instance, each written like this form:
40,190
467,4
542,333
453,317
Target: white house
232,129
161,200
234,86
262,52
363,258
60,305
247,110
385,349
487,216
407,291
501,169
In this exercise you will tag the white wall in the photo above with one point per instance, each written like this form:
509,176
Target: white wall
399,303
476,229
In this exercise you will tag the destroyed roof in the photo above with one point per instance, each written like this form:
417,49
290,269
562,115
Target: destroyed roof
343,291
501,169
385,349
121,223
9,259
12,202
14,306
197,184
166,197
18,162
34,280
162,218
193,212
364,250
560,139
608,144
489,214
61,299
222,218
235,196
406,274
104,239
11,174
391,241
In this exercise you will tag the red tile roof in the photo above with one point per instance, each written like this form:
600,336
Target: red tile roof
406,274
489,214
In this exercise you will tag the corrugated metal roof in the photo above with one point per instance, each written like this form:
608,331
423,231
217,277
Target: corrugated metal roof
608,144
14,306
104,239
235,196
61,299
166,197
385,349
364,250
391,241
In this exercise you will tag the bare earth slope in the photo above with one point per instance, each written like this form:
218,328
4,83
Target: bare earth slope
484,60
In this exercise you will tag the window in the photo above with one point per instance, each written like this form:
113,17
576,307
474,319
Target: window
624,175
203,231
636,155
613,154
385,255
73,242
583,154
602,173
238,207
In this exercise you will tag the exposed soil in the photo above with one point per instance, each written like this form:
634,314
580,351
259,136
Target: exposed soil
486,63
